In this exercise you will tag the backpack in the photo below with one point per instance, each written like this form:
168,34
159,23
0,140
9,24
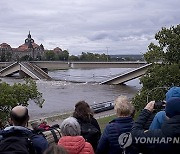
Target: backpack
17,142
90,133
52,135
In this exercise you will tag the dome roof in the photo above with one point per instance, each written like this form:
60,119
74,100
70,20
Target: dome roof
5,45
24,47
57,49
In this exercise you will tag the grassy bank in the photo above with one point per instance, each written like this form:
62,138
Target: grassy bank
57,119
104,121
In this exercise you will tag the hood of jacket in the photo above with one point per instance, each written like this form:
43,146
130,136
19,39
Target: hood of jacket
73,144
171,127
12,129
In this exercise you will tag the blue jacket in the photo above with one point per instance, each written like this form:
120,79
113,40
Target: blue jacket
39,142
158,120
108,143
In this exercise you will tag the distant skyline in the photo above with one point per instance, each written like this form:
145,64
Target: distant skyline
125,27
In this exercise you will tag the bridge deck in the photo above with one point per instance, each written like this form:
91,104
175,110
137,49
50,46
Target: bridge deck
34,70
127,76
24,69
55,65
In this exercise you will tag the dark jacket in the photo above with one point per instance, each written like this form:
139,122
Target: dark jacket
158,141
39,142
94,122
108,143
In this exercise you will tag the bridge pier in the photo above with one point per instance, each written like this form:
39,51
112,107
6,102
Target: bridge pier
22,74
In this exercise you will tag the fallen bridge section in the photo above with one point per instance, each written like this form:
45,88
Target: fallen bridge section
122,78
25,69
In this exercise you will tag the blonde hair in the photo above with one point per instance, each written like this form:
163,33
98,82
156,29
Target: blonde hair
123,107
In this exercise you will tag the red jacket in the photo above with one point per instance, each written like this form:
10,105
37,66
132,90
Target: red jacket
44,126
76,145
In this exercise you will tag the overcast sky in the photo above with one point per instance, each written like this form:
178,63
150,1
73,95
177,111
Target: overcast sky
124,26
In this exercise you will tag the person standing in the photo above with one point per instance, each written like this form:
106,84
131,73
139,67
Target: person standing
159,141
19,118
71,139
160,117
90,129
108,143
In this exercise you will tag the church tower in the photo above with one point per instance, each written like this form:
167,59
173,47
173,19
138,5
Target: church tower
29,39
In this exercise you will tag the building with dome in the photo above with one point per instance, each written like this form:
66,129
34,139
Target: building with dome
27,51
30,51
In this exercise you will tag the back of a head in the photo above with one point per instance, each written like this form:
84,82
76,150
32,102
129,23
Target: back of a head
19,115
55,149
82,110
173,92
70,127
123,107
173,107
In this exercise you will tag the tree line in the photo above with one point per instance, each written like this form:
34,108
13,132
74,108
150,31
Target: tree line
50,55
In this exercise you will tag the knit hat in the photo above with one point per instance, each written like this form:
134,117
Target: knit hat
173,92
173,107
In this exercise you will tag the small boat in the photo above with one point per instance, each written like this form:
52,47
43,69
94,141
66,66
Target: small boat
101,107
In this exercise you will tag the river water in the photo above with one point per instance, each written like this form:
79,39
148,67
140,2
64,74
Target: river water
73,85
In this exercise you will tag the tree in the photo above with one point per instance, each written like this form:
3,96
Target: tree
73,58
18,94
3,56
64,55
50,55
93,57
164,71
26,58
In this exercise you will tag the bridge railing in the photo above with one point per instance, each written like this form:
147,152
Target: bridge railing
9,66
35,70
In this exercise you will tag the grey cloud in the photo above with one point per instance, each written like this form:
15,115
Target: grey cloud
124,26
99,36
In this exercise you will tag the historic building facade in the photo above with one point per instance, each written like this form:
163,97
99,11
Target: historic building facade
27,51
5,52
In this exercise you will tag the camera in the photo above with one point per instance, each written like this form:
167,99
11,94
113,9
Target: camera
158,105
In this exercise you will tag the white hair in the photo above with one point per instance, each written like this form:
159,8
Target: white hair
123,107
70,127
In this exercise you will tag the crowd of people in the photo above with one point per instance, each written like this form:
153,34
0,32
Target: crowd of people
81,133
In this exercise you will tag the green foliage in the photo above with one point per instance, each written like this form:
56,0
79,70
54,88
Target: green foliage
63,56
73,58
160,76
5,56
18,94
93,57
168,48
26,58
50,55
154,54
104,121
